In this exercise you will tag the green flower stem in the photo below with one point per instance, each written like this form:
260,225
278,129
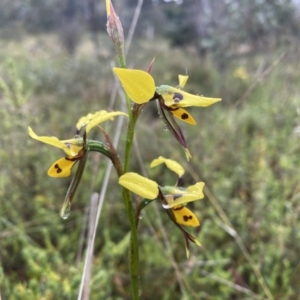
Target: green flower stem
134,244
111,153
97,146
121,58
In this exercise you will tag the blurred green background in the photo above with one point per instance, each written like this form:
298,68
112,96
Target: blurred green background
55,66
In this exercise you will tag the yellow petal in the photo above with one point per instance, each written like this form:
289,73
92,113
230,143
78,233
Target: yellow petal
107,2
102,116
192,193
86,119
174,96
182,80
183,115
74,145
185,217
197,189
139,85
53,141
74,148
171,164
139,185
98,116
62,167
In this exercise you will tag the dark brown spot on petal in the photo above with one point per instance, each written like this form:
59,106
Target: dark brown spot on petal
177,97
186,218
59,170
184,116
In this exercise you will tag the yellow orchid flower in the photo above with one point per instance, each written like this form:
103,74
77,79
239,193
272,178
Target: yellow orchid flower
173,197
73,147
140,87
76,150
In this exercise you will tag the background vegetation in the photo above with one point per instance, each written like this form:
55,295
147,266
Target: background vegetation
55,66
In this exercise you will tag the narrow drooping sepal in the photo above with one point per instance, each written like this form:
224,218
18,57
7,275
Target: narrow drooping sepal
174,128
66,207
188,237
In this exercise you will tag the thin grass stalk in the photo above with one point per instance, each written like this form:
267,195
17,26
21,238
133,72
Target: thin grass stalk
90,248
92,218
230,229
135,18
82,235
231,285
85,220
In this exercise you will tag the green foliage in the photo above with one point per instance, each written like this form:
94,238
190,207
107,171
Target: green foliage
245,149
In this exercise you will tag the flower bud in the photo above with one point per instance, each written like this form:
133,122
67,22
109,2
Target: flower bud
115,29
